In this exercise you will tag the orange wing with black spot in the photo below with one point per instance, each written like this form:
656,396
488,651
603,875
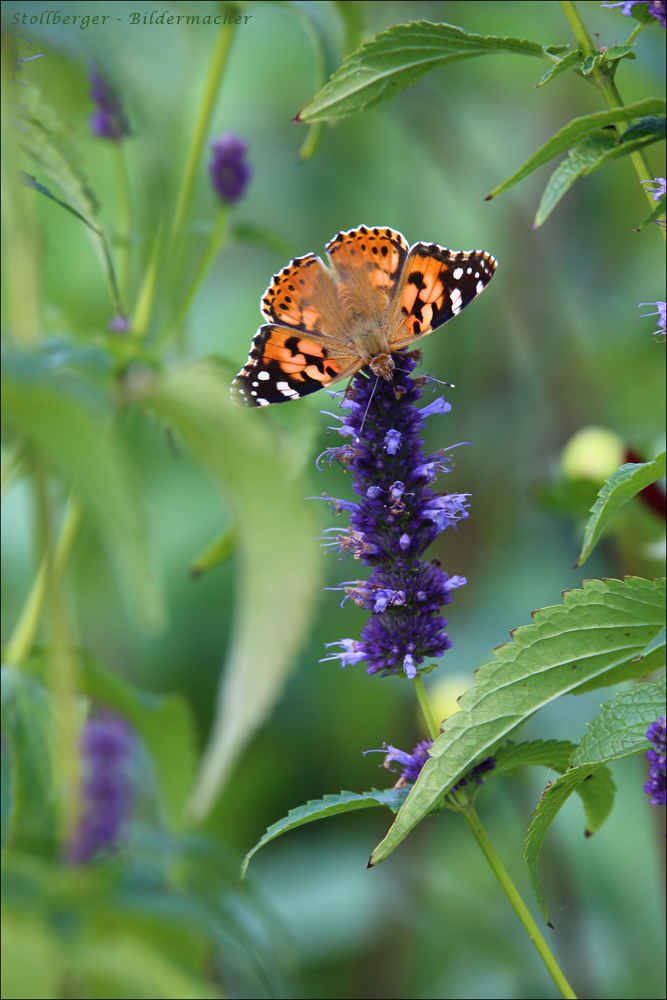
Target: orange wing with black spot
304,296
284,364
435,286
368,263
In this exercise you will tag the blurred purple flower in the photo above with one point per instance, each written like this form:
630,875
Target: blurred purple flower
230,170
394,521
656,785
119,324
661,313
656,8
109,121
106,745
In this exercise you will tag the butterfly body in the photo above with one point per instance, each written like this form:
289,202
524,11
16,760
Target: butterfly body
378,296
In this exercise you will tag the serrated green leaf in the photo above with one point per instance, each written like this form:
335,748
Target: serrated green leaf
277,534
569,61
330,805
589,63
575,132
515,756
656,213
619,731
623,484
620,728
26,725
589,641
219,551
577,163
397,58
52,412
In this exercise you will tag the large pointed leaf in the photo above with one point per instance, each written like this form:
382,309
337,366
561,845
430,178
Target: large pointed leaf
330,805
590,641
576,131
578,161
623,484
656,213
569,61
278,554
399,57
619,731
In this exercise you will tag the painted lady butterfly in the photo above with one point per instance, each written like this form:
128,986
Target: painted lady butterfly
325,325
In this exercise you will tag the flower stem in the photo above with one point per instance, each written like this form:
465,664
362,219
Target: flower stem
605,83
520,908
425,706
124,218
211,88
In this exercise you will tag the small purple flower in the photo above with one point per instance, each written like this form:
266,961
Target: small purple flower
230,170
661,313
658,188
106,745
109,121
393,522
485,765
656,785
411,763
656,8
119,324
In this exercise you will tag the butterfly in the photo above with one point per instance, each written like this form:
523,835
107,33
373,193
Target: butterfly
379,295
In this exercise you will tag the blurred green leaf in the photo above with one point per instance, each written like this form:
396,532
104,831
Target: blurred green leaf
575,132
330,805
397,58
641,12
623,484
279,558
590,641
31,959
247,232
648,125
619,731
26,725
52,412
580,160
515,756
656,213
569,497
569,61
219,551
351,15
32,182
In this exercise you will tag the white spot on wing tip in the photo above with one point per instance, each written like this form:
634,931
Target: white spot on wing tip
480,287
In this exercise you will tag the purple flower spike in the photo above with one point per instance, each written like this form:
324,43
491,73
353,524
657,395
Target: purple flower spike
109,121
656,785
395,519
230,170
106,744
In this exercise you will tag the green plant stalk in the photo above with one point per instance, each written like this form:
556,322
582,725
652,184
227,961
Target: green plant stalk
520,908
215,244
11,465
23,636
124,197
212,85
425,706
605,84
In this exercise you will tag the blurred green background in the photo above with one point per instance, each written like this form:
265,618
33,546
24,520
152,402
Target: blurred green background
556,344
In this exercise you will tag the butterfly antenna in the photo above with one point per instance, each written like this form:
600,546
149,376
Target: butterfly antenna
428,378
370,400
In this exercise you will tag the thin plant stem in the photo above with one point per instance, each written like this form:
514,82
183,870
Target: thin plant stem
124,197
425,706
518,905
605,84
211,88
636,31
22,638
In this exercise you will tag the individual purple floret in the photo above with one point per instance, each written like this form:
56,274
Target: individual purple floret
229,168
106,745
656,8
412,764
397,517
661,313
109,121
656,784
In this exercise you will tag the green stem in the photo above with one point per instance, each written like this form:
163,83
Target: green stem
124,218
23,636
516,901
211,88
605,83
636,31
12,464
425,706
215,244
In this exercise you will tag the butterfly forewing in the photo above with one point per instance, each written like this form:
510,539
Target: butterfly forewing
304,296
368,263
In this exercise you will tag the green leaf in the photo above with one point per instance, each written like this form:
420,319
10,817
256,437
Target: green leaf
590,641
578,162
52,412
623,484
247,232
277,538
589,63
656,213
515,756
26,725
568,497
575,132
648,125
352,18
569,61
31,959
615,52
219,551
619,731
641,12
32,182
330,805
654,644
397,58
